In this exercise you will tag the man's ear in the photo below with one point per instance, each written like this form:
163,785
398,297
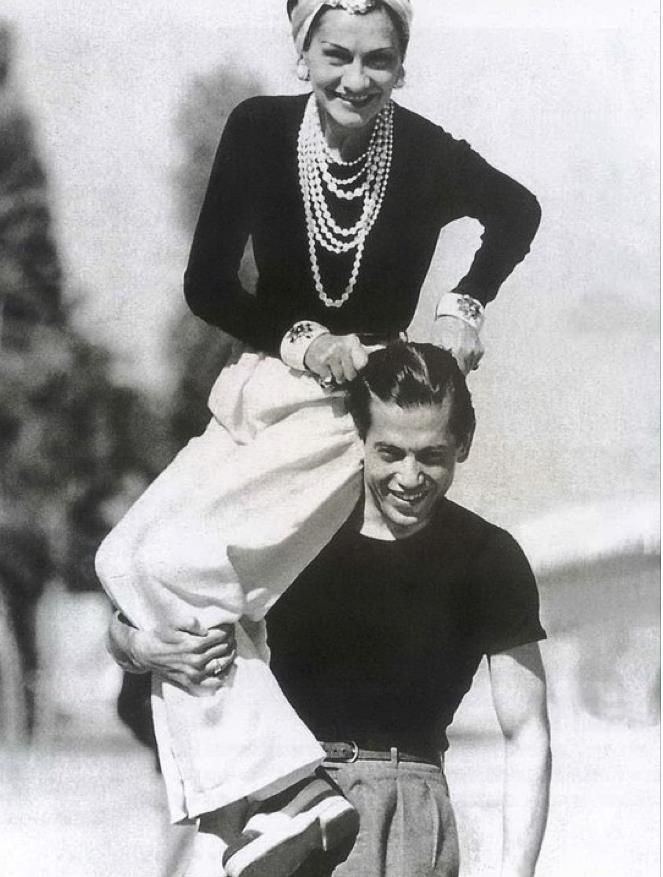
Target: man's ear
464,450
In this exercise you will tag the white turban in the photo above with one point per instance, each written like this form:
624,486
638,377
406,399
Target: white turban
303,13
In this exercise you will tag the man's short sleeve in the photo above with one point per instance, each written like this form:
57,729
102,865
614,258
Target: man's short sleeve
508,599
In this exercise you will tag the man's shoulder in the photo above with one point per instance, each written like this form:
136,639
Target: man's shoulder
451,514
468,528
491,552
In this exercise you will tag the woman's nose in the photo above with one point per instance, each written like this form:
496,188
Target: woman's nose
354,77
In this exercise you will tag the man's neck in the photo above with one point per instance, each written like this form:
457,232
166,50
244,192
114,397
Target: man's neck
373,525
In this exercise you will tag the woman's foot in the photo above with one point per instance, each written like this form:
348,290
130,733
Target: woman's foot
284,830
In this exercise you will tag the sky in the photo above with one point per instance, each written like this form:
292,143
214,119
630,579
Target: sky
561,95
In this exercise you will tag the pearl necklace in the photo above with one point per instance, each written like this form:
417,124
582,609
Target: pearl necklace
371,173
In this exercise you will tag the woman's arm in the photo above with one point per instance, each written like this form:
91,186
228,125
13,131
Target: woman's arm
509,213
510,217
188,655
211,284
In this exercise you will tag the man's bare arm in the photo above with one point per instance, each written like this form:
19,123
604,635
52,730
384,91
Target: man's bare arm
519,694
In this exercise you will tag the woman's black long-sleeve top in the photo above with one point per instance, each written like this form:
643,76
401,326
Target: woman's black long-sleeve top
254,190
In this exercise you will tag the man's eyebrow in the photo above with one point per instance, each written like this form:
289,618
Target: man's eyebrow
386,446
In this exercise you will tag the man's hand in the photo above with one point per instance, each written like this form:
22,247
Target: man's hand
336,357
461,339
188,655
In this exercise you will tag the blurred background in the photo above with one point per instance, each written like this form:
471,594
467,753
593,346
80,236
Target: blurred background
109,118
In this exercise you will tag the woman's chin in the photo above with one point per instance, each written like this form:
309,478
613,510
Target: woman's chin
349,117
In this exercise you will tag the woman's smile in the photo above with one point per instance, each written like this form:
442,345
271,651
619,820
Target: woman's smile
354,98
356,101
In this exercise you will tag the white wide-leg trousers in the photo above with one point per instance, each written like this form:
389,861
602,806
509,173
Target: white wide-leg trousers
219,535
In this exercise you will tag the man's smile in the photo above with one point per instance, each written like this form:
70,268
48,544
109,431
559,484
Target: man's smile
409,497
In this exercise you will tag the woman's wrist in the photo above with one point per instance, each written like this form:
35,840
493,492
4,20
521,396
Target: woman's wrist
297,340
462,307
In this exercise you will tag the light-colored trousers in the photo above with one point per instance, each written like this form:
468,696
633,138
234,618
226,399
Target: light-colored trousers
219,535
407,826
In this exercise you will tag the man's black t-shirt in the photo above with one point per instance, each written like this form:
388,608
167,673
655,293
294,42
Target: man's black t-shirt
377,642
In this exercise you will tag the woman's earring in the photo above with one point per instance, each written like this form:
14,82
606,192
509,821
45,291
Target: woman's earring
400,79
303,72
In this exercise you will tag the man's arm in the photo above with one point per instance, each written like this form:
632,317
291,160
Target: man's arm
180,654
518,685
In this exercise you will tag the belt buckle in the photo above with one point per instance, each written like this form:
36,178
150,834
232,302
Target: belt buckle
338,758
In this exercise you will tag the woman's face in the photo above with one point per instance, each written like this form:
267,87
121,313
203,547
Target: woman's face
354,63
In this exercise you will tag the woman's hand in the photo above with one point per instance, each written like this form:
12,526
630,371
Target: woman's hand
188,655
336,357
461,339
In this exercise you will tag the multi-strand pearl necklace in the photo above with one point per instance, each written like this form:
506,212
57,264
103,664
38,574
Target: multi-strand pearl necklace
368,181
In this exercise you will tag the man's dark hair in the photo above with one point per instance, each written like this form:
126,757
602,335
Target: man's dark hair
412,374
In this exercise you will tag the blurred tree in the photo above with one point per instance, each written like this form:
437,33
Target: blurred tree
32,342
75,449
32,354
199,350
67,434
66,431
118,443
30,275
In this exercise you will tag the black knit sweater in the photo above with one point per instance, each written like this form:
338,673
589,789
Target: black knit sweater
254,190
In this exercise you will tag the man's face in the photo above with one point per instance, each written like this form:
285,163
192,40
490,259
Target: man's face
409,463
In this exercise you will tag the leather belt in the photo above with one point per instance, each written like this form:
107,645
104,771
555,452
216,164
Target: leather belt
347,752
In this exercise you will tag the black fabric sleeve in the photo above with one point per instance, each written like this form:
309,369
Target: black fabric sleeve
211,285
507,596
508,212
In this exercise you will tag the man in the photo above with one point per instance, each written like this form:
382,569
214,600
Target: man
378,640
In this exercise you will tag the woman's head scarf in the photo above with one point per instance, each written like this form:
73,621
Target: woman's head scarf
303,12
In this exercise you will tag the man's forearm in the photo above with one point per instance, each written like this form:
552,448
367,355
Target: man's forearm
526,792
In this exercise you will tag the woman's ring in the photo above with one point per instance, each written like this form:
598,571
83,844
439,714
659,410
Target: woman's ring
217,667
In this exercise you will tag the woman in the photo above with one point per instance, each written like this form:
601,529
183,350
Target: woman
343,194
